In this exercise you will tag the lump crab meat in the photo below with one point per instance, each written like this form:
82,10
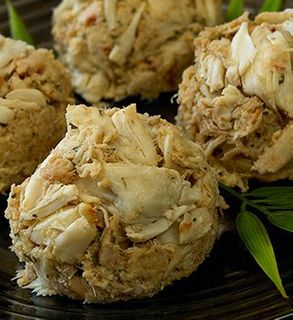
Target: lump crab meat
116,49
236,100
122,207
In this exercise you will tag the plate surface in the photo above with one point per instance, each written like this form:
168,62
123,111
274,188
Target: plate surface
229,285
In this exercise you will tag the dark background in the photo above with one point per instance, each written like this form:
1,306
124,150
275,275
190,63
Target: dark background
229,285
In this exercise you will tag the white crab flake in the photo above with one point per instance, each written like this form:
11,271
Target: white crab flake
243,49
125,43
110,13
6,114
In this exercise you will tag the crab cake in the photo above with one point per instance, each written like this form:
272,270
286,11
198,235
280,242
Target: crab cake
122,207
116,49
236,100
34,91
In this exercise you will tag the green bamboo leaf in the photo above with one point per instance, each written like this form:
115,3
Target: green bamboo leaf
270,191
278,203
282,219
275,198
275,205
272,198
280,198
17,27
277,208
271,5
257,241
235,9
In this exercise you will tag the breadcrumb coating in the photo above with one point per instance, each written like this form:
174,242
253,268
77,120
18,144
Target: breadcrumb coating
34,91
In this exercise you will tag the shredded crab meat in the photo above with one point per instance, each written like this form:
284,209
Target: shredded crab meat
110,13
125,43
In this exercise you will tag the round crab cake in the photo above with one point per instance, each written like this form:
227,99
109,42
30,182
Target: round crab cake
236,100
122,207
34,92
116,49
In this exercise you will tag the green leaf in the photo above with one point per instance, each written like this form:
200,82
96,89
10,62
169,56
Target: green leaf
282,219
235,9
18,29
270,191
257,241
279,198
278,207
271,5
272,198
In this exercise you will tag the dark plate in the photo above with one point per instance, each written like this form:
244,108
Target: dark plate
229,285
